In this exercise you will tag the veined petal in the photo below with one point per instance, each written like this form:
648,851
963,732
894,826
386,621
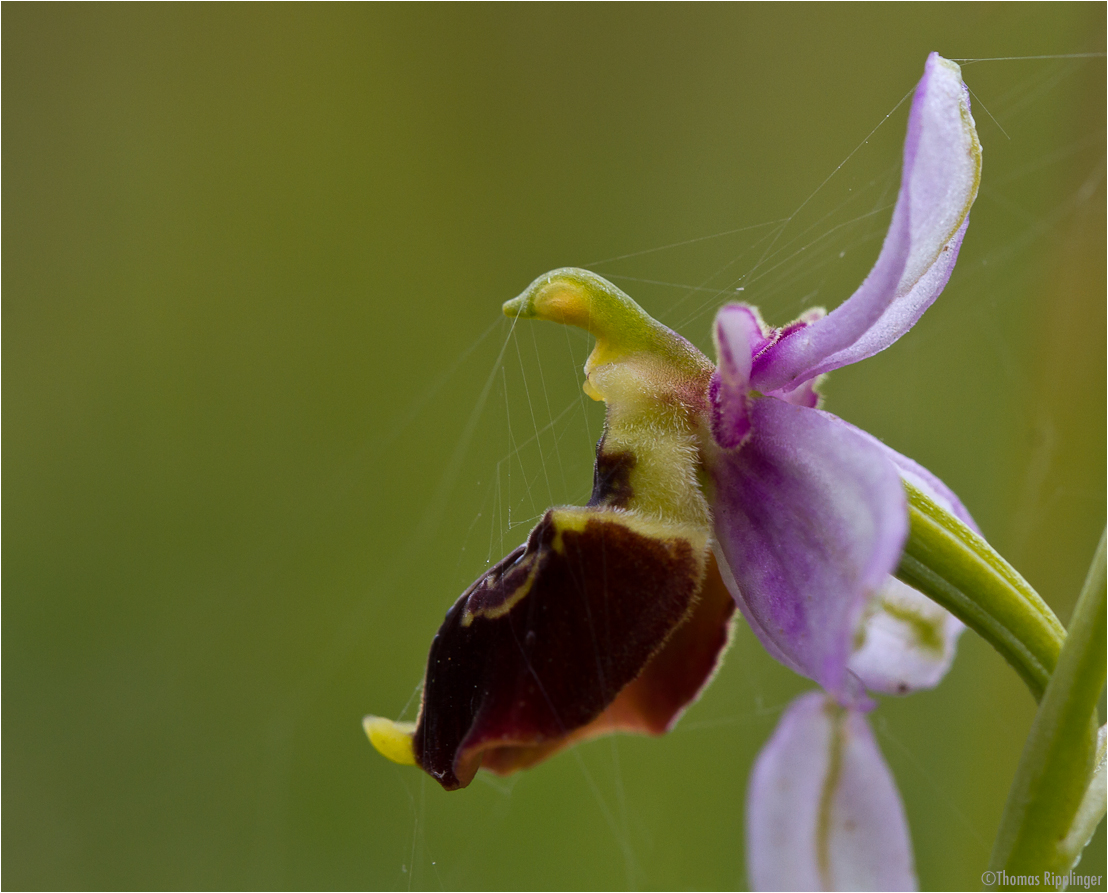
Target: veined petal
823,811
810,519
906,642
942,169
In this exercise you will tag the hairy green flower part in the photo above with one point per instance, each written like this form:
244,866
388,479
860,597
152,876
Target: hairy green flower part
623,330
655,385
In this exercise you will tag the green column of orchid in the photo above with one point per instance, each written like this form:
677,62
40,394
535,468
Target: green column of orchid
654,382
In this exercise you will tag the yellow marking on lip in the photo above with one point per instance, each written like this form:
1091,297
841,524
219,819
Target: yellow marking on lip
510,602
576,520
391,739
572,520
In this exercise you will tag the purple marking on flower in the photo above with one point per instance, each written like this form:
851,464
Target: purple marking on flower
739,336
823,812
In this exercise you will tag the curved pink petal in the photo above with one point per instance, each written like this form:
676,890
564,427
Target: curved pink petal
823,811
942,168
920,478
907,641
810,519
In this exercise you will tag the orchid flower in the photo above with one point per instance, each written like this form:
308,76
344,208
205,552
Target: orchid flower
719,485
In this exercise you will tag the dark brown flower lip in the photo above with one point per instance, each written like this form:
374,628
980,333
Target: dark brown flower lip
547,639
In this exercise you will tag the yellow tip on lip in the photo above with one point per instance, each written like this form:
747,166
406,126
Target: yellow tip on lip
392,739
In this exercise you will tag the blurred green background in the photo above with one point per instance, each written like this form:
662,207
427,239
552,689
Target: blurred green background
264,421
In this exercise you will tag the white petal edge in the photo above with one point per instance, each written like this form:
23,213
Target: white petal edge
907,642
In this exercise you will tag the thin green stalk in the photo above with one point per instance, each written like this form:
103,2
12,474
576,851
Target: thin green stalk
1048,818
951,564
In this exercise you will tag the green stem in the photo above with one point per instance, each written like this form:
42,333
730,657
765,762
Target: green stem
951,564
1048,818
1057,798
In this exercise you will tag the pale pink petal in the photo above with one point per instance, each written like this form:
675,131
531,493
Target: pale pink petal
823,811
923,480
942,168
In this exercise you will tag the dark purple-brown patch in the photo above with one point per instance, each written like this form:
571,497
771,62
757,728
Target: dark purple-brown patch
611,477
515,687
